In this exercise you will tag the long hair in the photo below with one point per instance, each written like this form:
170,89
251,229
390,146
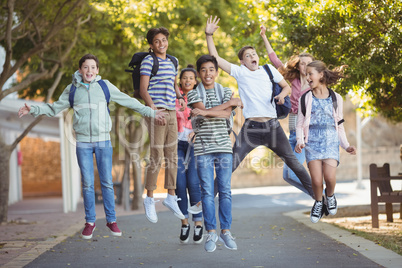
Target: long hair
290,70
330,76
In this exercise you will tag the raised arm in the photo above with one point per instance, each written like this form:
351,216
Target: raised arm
271,53
212,26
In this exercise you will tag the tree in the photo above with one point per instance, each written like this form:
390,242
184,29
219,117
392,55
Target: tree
38,36
366,35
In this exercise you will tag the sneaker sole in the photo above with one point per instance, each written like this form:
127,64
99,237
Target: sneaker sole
313,221
199,241
88,236
115,234
181,217
209,251
193,211
184,241
223,241
148,218
333,213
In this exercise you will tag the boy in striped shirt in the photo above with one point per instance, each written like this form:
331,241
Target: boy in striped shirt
213,150
160,93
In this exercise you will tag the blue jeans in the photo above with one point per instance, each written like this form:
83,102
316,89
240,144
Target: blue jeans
103,151
288,175
222,164
187,179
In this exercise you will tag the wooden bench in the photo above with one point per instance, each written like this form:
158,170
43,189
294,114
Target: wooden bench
380,178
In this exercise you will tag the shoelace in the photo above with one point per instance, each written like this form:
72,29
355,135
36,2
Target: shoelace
331,202
317,209
197,230
229,235
184,230
209,237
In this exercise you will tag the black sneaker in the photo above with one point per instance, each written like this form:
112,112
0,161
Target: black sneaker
185,233
332,205
198,237
316,211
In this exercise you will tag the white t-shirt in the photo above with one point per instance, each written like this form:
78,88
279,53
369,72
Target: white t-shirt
255,89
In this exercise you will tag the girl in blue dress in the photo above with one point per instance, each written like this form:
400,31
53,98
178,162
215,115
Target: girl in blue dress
320,130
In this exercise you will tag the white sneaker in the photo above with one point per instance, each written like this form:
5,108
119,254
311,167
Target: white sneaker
171,203
150,212
197,208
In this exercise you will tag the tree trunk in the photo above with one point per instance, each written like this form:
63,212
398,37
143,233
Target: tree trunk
5,154
125,184
137,169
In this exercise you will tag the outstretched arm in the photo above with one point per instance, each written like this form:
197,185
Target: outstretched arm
212,26
268,46
271,53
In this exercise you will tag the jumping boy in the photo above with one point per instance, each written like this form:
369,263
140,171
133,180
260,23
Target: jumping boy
92,125
213,150
255,88
161,92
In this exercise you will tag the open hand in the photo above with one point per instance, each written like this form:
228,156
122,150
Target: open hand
212,25
263,30
24,110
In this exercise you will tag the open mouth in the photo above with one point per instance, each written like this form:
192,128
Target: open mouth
254,62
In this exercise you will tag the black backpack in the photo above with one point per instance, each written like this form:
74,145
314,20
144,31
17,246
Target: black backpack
334,103
135,64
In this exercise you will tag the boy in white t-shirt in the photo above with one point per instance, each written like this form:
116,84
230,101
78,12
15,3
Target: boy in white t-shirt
255,88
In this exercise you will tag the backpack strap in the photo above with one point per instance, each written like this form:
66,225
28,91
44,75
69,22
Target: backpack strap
105,90
333,97
173,59
271,77
155,66
303,102
71,95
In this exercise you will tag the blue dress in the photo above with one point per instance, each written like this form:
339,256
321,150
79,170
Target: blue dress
323,140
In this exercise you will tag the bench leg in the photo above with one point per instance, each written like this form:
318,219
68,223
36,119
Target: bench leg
389,211
374,205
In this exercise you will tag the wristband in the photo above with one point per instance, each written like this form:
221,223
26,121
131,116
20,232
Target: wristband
210,34
181,97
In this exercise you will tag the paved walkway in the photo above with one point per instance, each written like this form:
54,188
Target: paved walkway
270,227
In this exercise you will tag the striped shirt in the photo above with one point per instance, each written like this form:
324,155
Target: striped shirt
161,86
213,135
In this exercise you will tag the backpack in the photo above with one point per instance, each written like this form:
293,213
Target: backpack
334,103
103,86
135,64
283,110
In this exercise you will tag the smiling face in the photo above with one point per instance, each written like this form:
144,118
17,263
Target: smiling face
88,70
303,65
250,59
159,45
313,77
187,81
208,73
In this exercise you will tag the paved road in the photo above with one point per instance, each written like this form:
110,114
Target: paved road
265,238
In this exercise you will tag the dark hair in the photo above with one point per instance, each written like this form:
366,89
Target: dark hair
155,31
242,50
291,70
206,58
88,57
330,76
189,68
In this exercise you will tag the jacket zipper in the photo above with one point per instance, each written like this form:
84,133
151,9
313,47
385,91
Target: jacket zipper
90,115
